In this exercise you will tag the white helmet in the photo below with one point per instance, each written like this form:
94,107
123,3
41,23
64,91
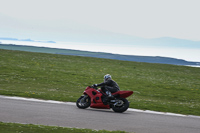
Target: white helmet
107,76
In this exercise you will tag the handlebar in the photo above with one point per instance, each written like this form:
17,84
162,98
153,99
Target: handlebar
94,87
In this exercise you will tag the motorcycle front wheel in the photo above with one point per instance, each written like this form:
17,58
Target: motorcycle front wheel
121,106
83,102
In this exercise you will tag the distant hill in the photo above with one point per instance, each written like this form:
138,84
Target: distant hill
115,38
28,40
148,59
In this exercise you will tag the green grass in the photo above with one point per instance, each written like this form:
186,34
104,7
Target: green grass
159,87
30,128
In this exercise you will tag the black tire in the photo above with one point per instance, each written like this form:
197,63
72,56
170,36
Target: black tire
83,102
121,107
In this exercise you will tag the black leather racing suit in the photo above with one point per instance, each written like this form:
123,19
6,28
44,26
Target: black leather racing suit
109,85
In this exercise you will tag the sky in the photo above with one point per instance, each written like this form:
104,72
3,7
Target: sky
140,18
87,21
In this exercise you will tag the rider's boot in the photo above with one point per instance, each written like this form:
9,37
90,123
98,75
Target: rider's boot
110,96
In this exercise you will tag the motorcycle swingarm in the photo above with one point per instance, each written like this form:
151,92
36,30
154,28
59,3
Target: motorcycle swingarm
114,101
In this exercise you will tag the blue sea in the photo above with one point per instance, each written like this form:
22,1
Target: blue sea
178,53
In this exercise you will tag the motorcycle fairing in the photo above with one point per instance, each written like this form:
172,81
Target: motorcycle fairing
123,94
95,96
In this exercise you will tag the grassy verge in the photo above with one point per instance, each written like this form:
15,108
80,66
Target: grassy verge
29,128
159,87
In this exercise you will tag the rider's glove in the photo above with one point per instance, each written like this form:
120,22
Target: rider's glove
95,85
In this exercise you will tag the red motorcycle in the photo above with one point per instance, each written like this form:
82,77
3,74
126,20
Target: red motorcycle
96,98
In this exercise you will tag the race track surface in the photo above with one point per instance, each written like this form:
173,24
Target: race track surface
68,115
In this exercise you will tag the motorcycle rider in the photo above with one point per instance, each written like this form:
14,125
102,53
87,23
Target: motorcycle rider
108,86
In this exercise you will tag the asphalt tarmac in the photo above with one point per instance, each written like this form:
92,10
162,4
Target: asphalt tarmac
33,111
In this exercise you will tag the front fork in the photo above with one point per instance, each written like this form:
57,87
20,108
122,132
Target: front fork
83,100
85,96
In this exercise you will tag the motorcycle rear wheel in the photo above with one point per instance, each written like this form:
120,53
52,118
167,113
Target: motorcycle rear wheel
121,106
83,102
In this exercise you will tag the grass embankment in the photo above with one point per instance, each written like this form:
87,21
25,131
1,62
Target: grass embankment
159,87
29,128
